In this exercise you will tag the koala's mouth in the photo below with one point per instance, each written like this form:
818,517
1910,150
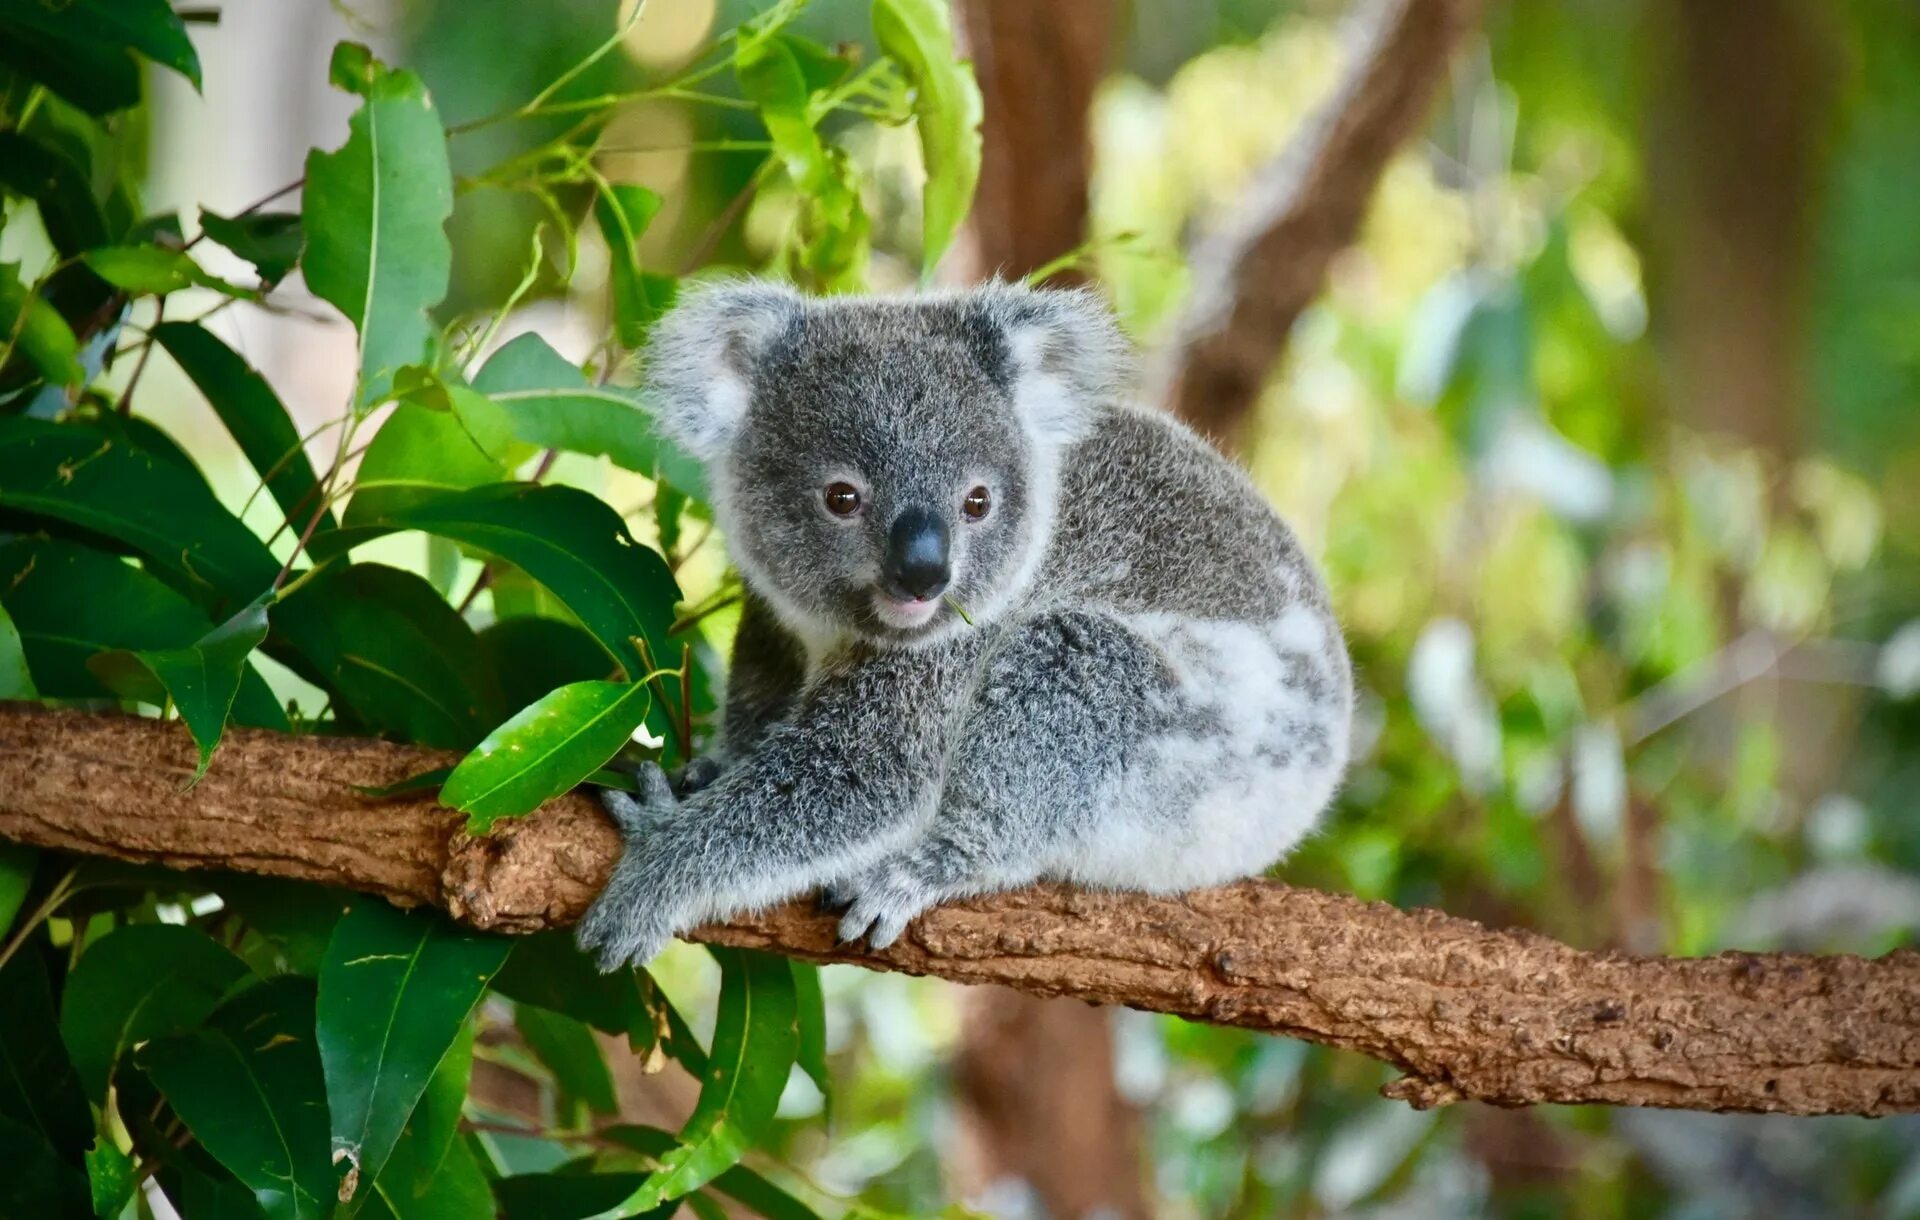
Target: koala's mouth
905,614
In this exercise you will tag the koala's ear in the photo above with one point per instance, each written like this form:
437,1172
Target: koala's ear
702,356
1066,356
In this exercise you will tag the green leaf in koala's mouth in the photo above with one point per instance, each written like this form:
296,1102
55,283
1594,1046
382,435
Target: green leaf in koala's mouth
959,610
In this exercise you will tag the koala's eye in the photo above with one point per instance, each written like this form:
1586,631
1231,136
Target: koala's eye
975,506
842,499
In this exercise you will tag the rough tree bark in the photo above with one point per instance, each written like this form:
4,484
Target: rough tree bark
1254,275
1505,1017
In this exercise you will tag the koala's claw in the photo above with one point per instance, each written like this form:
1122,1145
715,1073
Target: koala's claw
618,935
880,914
834,898
636,813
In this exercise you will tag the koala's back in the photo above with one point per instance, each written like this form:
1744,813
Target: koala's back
1230,732
1152,519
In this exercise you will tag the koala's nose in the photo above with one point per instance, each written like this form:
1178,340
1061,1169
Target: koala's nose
917,557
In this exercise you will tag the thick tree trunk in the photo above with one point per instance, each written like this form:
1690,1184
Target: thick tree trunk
1505,1017
1256,273
1038,66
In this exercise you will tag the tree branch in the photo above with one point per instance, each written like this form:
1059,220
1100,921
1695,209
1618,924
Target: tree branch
1256,273
1505,1017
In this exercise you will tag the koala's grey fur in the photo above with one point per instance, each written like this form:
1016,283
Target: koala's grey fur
1154,696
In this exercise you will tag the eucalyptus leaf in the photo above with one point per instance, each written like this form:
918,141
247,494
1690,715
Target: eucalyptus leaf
395,991
38,1181
374,213
70,602
150,27
140,982
18,863
155,271
38,1086
59,187
532,657
755,1038
42,335
418,454
811,1021
917,35
253,414
544,750
551,405
84,477
394,651
741,1184
16,680
430,1173
572,543
248,1085
271,241
110,1177
201,679
623,212
568,1050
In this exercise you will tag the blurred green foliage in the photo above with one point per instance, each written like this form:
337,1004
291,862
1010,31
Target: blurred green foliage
1625,681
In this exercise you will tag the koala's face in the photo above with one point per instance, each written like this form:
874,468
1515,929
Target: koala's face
880,465
882,477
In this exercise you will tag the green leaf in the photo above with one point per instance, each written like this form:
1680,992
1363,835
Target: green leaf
395,992
486,424
811,1020
639,296
295,916
38,1087
457,1190
155,271
833,226
573,544
109,1177
548,970
42,336
16,680
571,1196
739,1183
61,189
143,981
248,1085
150,27
83,477
374,213
38,1182
532,657
70,602
946,106
755,1037
431,1174
253,414
567,1048
201,1196
551,405
202,679
17,865
544,750
271,241
394,651
418,454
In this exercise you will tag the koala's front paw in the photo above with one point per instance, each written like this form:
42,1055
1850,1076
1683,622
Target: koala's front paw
631,920
884,899
637,813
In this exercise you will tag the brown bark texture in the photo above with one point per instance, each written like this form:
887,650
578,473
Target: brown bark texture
1038,66
1266,262
1464,1011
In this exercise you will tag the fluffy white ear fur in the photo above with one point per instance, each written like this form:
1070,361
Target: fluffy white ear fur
1069,356
700,358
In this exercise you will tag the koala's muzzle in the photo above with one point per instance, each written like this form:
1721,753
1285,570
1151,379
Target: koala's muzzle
917,562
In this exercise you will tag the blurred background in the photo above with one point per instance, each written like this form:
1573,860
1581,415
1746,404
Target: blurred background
1606,425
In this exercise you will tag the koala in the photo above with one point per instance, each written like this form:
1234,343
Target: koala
1000,624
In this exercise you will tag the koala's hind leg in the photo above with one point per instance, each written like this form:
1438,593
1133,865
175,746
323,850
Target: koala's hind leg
1063,707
